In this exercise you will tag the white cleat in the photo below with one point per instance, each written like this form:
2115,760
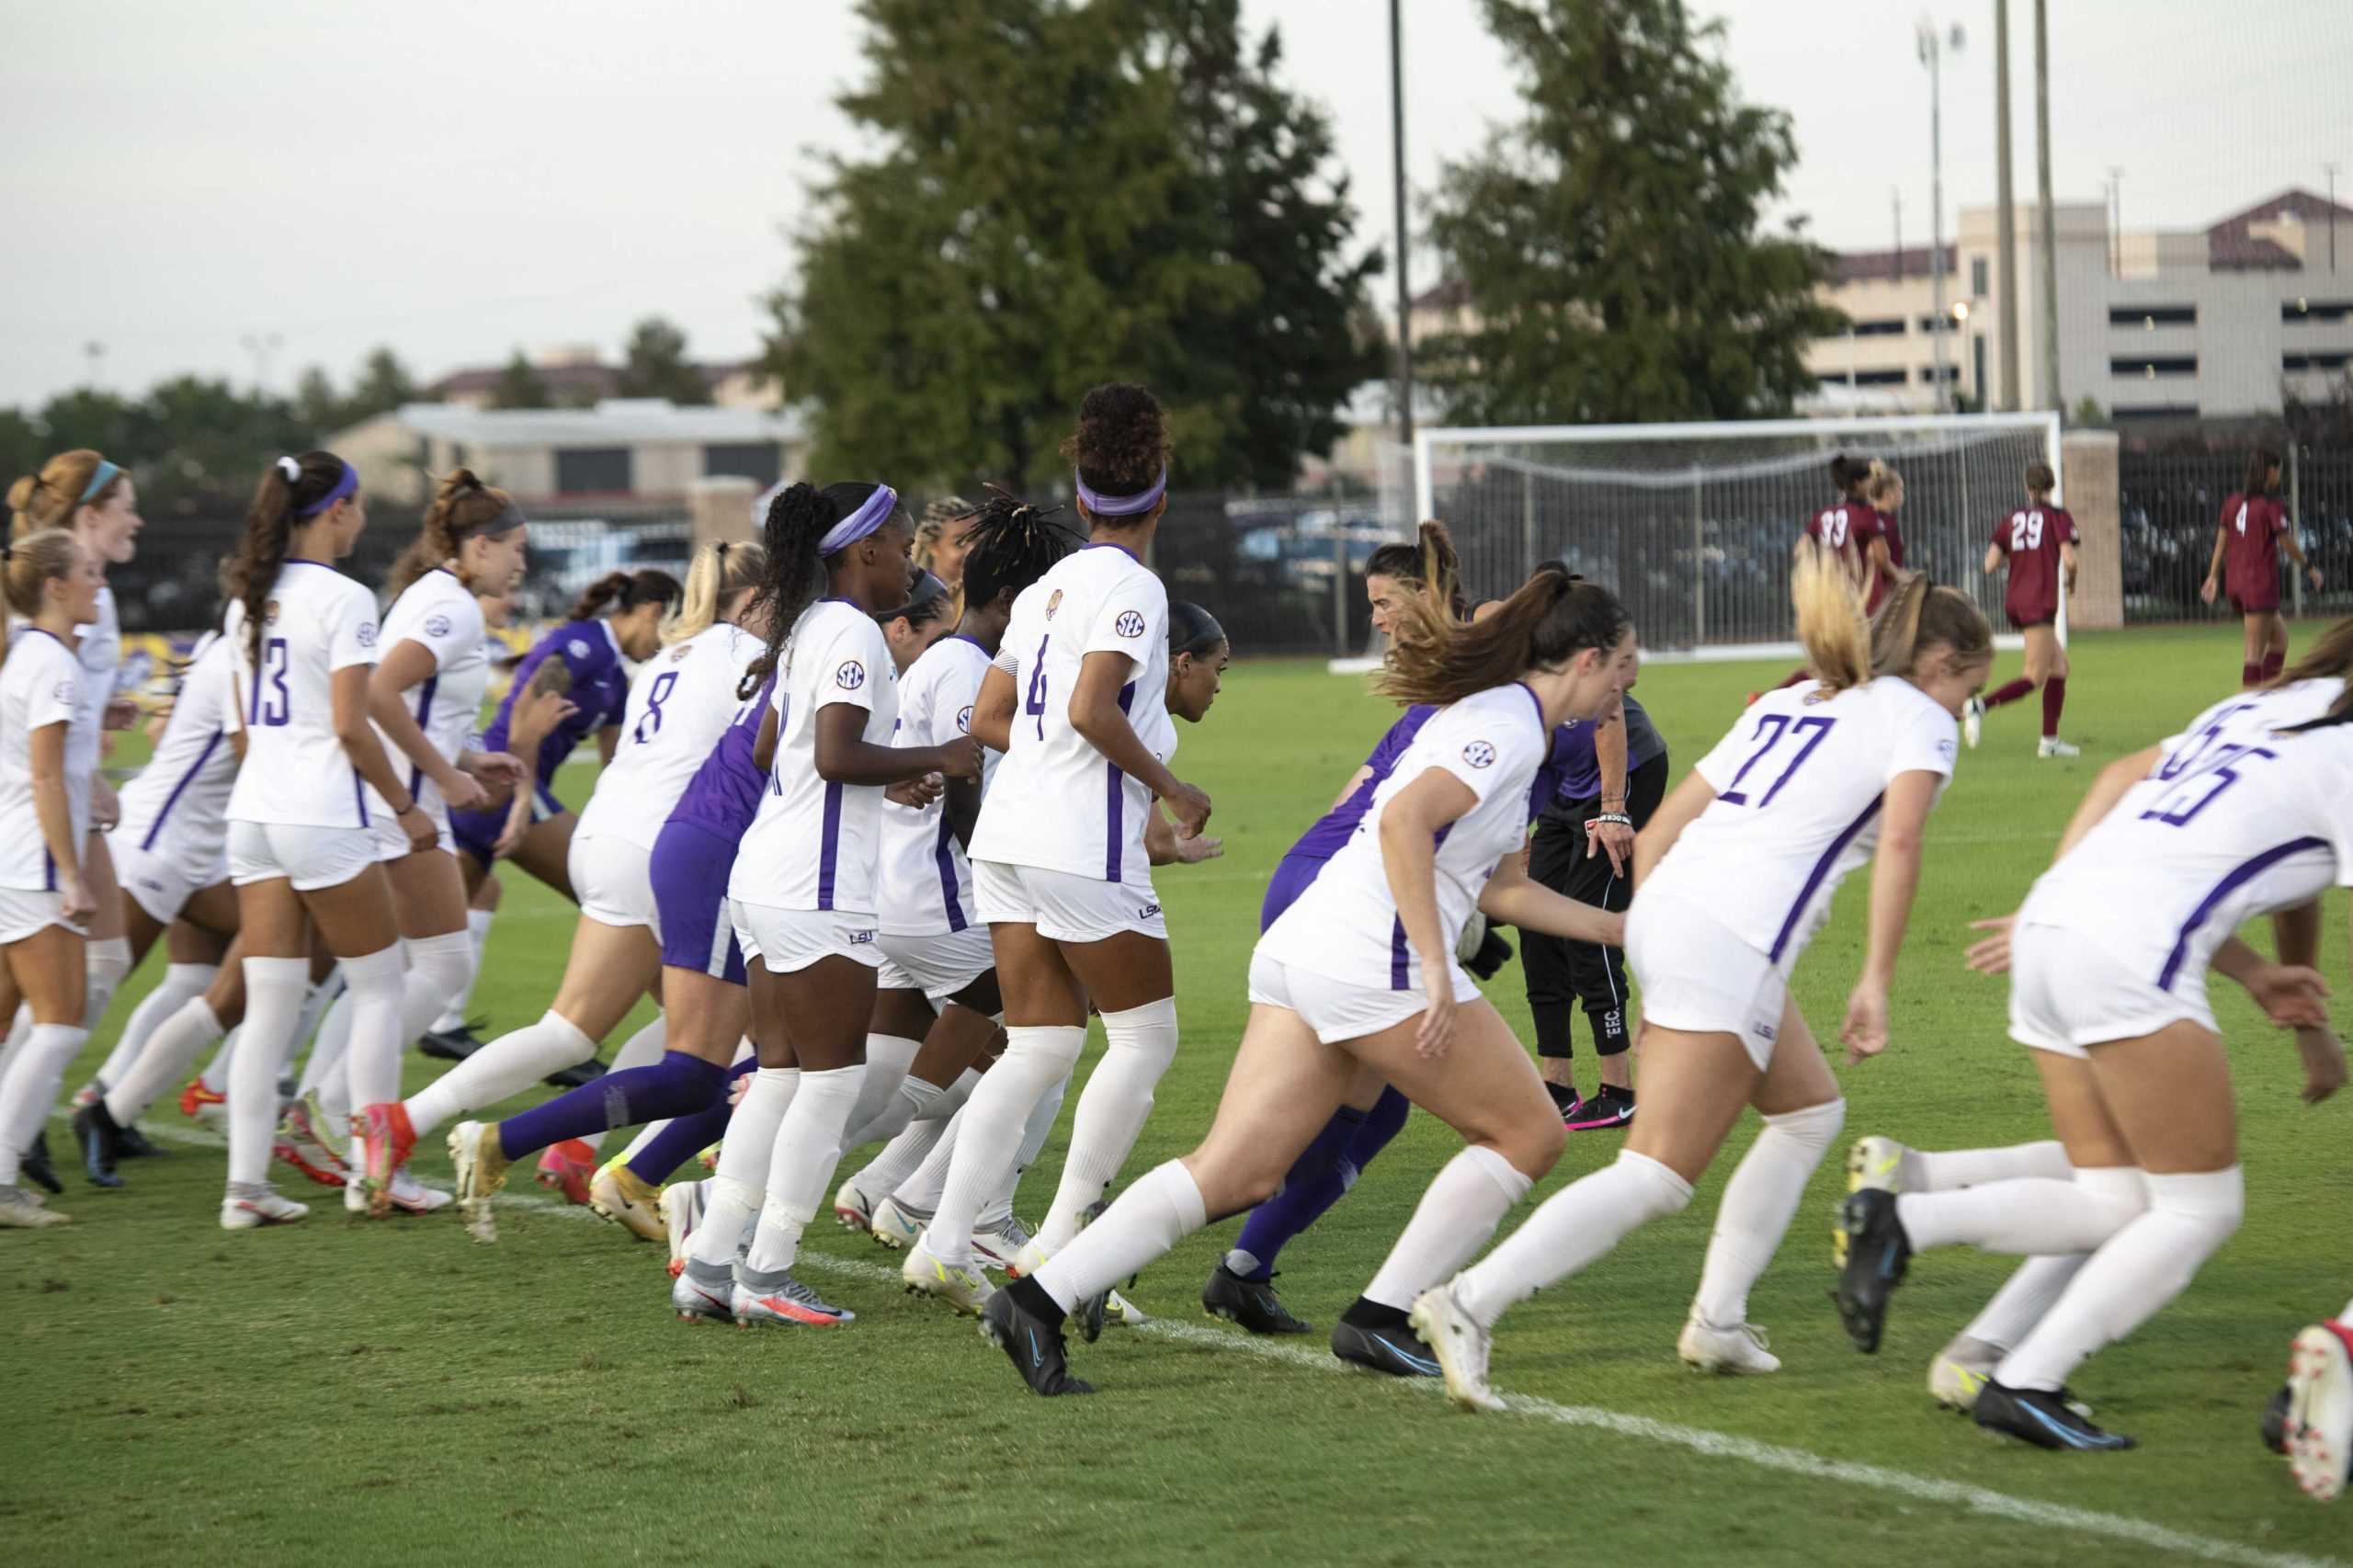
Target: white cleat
1030,1258
681,1214
853,1209
1972,721
962,1286
895,1225
1877,1162
781,1299
1461,1345
262,1207
2051,745
1741,1348
21,1210
616,1193
1961,1372
480,1172
998,1246
355,1193
1119,1309
702,1301
2320,1410
411,1195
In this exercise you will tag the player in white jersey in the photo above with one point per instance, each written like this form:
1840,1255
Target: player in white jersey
1358,981
2173,849
1733,876
803,888
51,583
683,701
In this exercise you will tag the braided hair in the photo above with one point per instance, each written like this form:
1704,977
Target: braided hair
1014,544
793,575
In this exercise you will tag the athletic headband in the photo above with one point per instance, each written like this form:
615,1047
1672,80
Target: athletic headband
100,477
508,518
1122,505
858,524
346,483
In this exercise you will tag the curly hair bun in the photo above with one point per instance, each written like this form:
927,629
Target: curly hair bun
1121,442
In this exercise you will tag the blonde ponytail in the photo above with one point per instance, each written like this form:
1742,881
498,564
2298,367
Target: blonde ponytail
1830,618
720,571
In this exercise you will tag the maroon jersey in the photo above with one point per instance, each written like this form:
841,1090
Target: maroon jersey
2031,538
2251,528
1882,526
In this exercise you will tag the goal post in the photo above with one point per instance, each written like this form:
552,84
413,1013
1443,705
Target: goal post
1694,524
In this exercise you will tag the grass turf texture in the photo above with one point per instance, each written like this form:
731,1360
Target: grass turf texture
392,1393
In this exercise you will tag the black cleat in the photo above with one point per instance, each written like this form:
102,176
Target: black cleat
36,1168
1393,1348
1608,1109
1253,1303
1032,1341
133,1145
1091,1309
2046,1420
451,1045
580,1074
101,1140
1493,954
1878,1252
2275,1421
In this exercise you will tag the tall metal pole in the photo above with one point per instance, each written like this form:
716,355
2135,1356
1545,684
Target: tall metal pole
1931,55
1897,197
2332,215
1405,242
2050,390
2007,235
2115,221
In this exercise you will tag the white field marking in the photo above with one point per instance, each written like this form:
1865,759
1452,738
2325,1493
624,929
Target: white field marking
1697,1439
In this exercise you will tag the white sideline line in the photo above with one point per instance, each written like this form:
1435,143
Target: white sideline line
1697,1439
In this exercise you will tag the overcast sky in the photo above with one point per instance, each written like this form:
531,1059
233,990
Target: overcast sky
458,177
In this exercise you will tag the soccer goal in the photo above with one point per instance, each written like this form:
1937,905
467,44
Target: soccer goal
1694,525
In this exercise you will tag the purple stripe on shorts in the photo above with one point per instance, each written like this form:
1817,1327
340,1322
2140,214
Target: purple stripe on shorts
829,846
177,790
2239,875
946,859
1822,870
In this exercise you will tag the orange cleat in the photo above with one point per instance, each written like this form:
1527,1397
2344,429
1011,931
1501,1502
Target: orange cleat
385,1139
200,1104
569,1168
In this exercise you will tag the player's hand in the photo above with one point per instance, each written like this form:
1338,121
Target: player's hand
1991,955
738,1085
1865,1031
1438,1020
518,825
122,711
105,806
422,833
916,793
2324,1056
1189,804
1193,851
76,901
1614,839
462,791
502,769
2208,589
2313,572
2290,995
962,758
536,715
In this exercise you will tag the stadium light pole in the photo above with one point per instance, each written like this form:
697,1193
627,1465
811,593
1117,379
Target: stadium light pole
2042,194
1397,156
2005,220
1932,44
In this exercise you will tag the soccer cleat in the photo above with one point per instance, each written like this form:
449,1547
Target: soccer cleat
1033,1343
480,1166
1742,1348
385,1140
1960,1374
34,1165
622,1196
300,1145
411,1195
2047,1420
896,1226
1972,721
1608,1109
1878,1252
701,1292
681,1208
22,1211
1873,1162
2320,1409
567,1167
997,1246
1253,1303
708,1158
962,1286
134,1144
2275,1419
201,1106
852,1209
2051,745
1120,1312
1460,1344
86,1095
579,1075
452,1045
779,1298
101,1140
259,1207
1393,1348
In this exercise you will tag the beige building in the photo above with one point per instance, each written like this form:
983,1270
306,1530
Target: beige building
577,376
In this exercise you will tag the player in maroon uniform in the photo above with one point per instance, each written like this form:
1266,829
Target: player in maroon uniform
1848,527
2038,541
2253,528
1882,549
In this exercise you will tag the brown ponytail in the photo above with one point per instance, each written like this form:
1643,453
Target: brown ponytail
249,575
624,590
463,505
2260,464
49,499
1436,657
2330,658
27,565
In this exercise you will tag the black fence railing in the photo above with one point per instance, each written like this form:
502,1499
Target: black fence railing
2170,503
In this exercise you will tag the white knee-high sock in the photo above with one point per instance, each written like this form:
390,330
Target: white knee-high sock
1942,1170
1758,1203
801,1166
1462,1206
477,933
913,1167
372,1061
911,1100
30,1089
216,1071
2038,1217
273,1002
1033,1143
105,963
887,1057
2032,1288
439,967
1568,1230
1036,1058
1142,1043
508,1065
142,1082
20,1030
738,1188
323,1069
642,1048
2139,1270
1162,1208
178,1042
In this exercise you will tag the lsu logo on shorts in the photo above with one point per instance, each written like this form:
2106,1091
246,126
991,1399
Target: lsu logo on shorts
1479,753
851,675
1148,912
859,938
1130,624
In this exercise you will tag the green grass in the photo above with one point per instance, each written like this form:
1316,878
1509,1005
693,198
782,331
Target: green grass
392,1393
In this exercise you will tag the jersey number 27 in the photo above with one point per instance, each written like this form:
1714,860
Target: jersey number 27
1814,728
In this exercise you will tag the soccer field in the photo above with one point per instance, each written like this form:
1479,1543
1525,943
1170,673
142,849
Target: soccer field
391,1392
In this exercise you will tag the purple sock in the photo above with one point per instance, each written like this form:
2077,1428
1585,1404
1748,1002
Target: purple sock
677,1085
688,1136
1319,1176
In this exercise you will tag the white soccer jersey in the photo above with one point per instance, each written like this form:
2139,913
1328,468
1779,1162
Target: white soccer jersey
440,614
1799,786
1059,802
180,799
683,701
927,881
40,684
2237,821
1345,927
814,845
101,658
296,773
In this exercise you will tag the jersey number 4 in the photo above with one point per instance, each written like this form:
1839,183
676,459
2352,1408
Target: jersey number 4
1035,705
1814,728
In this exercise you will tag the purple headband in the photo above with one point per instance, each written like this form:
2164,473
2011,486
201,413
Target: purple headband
343,487
1122,505
858,524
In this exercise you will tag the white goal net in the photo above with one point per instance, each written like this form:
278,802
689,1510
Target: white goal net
1693,525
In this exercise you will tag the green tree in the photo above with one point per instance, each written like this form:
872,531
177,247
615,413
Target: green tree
23,448
1613,242
1061,194
654,364
520,385
383,385
317,403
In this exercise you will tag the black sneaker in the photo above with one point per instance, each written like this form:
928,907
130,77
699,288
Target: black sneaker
1878,1252
1393,1348
1031,1340
2046,1420
580,1074
2275,1421
101,1140
36,1168
1608,1109
452,1045
1253,1303
1493,954
129,1143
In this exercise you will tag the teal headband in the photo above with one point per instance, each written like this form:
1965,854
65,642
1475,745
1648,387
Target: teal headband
100,478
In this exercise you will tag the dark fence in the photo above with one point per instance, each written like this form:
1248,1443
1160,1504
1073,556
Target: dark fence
1283,575
2171,502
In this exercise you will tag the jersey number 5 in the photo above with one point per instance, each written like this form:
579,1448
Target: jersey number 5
1814,728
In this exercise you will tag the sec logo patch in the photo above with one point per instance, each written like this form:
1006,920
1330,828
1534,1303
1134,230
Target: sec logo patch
851,675
436,626
366,635
1479,753
71,691
1130,624
579,647
964,720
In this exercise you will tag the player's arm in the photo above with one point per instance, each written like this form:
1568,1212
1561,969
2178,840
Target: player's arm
2114,780
1882,562
347,691
1094,712
409,665
845,756
1895,879
993,711
1994,558
2215,567
2295,550
764,744
1410,825
2068,564
1356,782
1162,848
2290,993
1513,898
1612,833
54,811
1678,811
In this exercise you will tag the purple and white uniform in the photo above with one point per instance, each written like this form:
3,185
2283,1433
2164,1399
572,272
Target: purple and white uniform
599,690
42,684
695,854
172,839
933,939
441,615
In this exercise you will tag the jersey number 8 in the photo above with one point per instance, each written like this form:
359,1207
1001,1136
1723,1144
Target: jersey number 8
655,695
